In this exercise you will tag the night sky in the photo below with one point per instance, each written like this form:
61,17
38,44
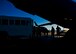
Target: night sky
8,9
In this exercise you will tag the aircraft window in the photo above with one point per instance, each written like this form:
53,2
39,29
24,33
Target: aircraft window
22,22
4,21
17,22
27,23
11,22
0,21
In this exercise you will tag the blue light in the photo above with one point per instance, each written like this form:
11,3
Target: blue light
8,9
74,0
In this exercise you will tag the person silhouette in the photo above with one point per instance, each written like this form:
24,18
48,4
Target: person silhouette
58,30
52,31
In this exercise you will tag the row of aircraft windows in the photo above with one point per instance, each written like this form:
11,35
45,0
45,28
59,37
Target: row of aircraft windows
14,22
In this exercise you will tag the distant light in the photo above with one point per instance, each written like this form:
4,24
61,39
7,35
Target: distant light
70,19
65,18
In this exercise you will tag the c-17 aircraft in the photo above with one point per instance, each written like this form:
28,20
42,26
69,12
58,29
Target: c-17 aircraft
61,12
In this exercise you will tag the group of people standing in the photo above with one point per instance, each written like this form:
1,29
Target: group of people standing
37,31
57,30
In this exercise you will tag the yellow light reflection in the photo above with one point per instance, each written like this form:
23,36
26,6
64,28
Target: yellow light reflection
66,29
